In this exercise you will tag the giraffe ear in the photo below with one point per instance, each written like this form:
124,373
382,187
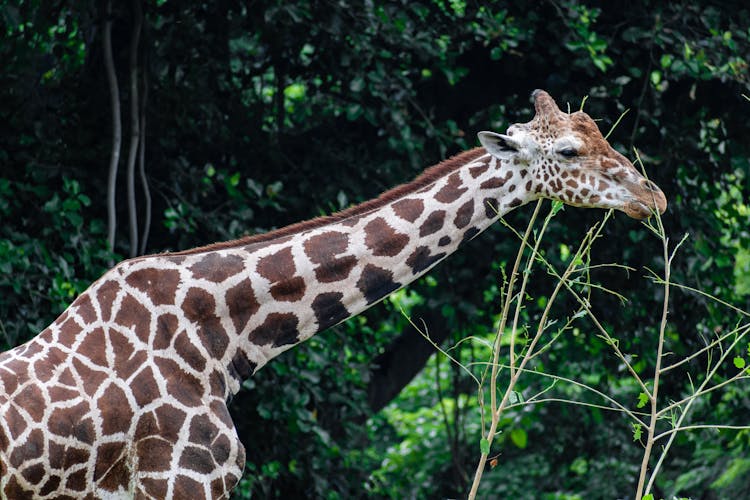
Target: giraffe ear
499,145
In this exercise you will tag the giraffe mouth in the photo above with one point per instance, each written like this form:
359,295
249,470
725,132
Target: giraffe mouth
646,199
639,210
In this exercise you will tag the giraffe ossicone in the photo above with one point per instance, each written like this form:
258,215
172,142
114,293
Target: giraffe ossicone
125,393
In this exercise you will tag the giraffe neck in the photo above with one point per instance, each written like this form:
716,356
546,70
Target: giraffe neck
223,311
315,278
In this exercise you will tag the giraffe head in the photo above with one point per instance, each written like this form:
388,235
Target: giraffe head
566,158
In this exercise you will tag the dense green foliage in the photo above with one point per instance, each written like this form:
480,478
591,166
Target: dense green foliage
265,113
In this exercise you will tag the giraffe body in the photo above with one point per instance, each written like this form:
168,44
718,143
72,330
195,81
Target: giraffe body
125,393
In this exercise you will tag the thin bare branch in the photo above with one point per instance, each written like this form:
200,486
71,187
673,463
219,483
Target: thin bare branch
700,426
745,329
653,396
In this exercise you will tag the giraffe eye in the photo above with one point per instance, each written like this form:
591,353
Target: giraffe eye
568,152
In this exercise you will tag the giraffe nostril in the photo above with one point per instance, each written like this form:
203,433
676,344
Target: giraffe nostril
650,185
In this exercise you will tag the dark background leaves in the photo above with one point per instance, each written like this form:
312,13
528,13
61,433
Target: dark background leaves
260,114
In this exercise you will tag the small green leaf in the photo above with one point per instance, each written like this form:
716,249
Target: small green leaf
295,91
234,180
564,252
515,397
484,446
519,438
556,207
650,496
357,84
85,200
739,362
642,400
637,432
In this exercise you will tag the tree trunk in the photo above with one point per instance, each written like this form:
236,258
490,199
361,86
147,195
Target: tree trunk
404,357
135,133
142,160
114,92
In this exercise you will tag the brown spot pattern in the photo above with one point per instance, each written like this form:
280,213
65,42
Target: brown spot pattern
105,296
51,485
290,290
92,379
84,308
159,284
144,387
33,449
217,268
68,332
240,368
326,246
59,393
151,452
76,481
184,487
127,359
199,305
213,337
277,266
34,473
72,422
94,347
408,209
221,448
157,488
375,283
433,223
166,326
15,422
328,309
202,430
490,207
478,170
422,259
133,314
115,410
464,214
181,385
185,349
452,190
382,239
197,459
496,182
335,269
106,455
43,368
10,381
278,329
242,303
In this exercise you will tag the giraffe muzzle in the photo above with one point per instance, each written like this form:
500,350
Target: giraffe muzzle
648,198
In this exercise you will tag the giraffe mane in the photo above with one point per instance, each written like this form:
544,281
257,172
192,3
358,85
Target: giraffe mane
426,178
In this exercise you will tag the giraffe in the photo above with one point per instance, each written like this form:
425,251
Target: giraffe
124,395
